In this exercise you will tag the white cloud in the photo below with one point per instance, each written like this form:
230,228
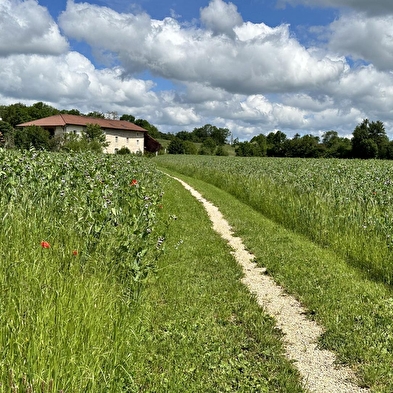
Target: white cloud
221,18
364,38
258,60
27,28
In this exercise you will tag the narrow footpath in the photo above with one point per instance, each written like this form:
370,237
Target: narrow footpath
318,368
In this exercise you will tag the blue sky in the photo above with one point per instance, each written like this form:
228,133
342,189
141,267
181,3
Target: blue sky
253,66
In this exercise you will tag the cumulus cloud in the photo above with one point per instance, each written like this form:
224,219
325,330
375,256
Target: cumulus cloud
257,59
362,38
221,18
28,28
70,78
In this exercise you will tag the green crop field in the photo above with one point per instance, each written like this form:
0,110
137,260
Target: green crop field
77,240
345,205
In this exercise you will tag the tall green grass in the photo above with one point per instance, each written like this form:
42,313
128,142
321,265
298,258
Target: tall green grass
77,240
345,205
355,311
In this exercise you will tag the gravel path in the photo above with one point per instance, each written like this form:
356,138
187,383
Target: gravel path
317,367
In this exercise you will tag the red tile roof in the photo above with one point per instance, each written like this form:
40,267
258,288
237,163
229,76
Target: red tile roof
63,120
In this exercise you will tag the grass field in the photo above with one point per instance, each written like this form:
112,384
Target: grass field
353,303
105,287
112,279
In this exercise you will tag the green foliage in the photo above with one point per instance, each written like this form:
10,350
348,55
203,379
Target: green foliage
129,118
78,239
123,150
93,139
198,329
370,140
95,114
302,194
209,146
32,136
306,146
152,130
7,134
176,146
248,149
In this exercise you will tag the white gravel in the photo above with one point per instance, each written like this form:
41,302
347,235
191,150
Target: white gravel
318,368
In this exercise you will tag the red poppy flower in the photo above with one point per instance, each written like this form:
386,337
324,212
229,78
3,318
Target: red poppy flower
75,252
45,244
134,182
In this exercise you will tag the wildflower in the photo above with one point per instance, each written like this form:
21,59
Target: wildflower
75,252
45,244
160,206
134,182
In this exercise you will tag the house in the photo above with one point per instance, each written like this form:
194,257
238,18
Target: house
119,133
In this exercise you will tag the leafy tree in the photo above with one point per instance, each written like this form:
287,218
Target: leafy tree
176,146
306,146
220,151
152,130
208,146
16,114
32,136
94,134
40,110
129,118
7,132
248,149
261,141
96,115
369,140
190,147
335,146
71,112
219,135
275,144
123,150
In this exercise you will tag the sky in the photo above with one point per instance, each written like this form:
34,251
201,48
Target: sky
252,66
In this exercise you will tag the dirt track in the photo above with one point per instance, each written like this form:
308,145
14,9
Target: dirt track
317,367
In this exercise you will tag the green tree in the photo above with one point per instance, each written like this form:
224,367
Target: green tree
16,114
75,112
96,115
306,146
275,144
248,149
190,147
208,146
335,146
40,110
129,118
152,130
369,140
32,136
7,132
176,146
261,141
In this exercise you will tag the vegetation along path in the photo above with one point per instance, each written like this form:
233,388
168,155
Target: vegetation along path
318,367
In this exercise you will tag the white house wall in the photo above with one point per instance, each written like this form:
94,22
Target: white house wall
117,139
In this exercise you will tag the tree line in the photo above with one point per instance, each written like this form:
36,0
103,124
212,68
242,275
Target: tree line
369,140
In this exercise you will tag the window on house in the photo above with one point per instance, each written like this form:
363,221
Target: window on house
116,139
127,140
137,142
